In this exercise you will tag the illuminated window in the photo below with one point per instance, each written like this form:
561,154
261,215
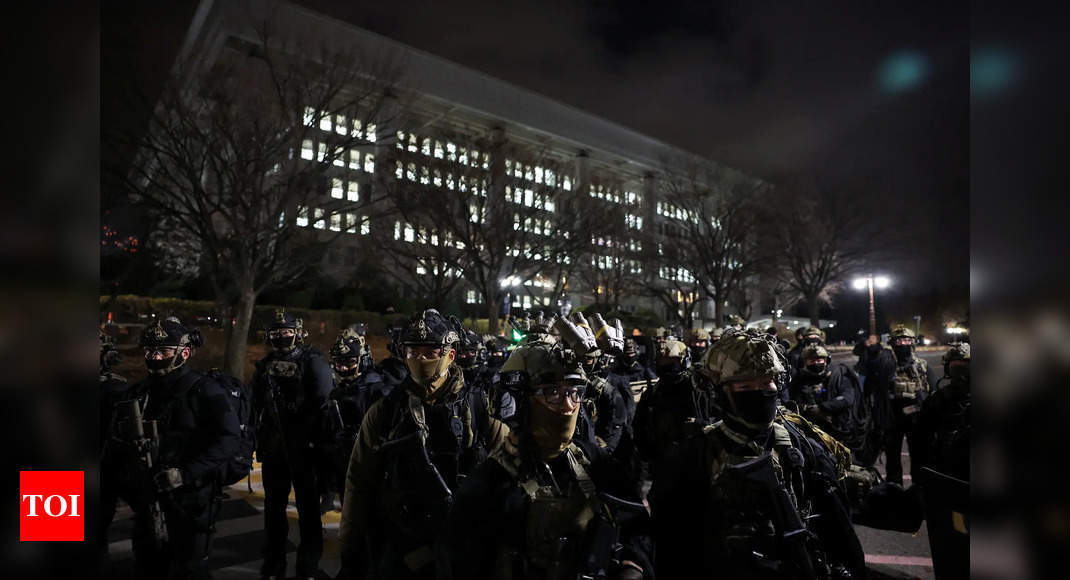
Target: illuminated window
421,270
339,160
450,183
337,191
437,178
319,224
325,123
351,191
354,160
424,177
550,179
398,172
426,146
307,149
438,149
410,171
462,184
365,225
397,230
410,233
369,163
470,297
340,124
528,197
451,152
302,216
462,156
413,146
567,183
310,116
355,128
634,221
322,152
336,222
370,135
400,143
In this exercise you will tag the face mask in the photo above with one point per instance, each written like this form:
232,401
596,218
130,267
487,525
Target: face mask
668,366
902,352
816,369
551,431
755,409
283,343
873,349
429,373
163,366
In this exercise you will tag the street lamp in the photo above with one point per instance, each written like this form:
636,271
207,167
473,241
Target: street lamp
869,281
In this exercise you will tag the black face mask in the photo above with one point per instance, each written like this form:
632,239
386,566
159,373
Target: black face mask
756,409
816,369
158,364
903,352
283,343
348,372
873,349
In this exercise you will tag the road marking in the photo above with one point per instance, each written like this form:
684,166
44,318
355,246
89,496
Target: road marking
899,560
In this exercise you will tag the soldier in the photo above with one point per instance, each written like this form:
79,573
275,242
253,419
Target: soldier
830,396
700,341
756,495
413,449
550,508
810,335
472,360
173,434
942,468
672,410
637,376
291,389
496,352
602,401
905,394
354,392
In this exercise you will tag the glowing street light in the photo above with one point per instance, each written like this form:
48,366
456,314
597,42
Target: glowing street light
868,281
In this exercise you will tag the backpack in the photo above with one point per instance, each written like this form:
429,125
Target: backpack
240,464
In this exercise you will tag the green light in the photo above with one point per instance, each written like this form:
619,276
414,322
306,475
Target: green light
517,337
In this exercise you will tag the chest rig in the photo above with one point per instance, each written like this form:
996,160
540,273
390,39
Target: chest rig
910,380
285,378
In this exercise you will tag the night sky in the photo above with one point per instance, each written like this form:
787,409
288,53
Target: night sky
863,99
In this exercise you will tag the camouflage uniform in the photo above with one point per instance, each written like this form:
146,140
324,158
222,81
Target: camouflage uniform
831,397
548,507
758,494
905,394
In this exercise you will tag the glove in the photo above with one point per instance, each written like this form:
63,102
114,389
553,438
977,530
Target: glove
168,479
579,338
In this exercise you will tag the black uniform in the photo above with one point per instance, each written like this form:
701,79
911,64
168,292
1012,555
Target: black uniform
942,438
715,518
353,396
409,457
606,411
392,371
199,433
299,382
633,378
833,401
669,413
488,379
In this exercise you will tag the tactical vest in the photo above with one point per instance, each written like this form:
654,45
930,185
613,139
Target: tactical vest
910,380
426,451
557,519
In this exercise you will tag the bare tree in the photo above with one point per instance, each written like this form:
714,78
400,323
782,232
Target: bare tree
820,238
496,213
241,163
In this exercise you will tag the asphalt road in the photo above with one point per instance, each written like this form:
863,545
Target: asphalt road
240,534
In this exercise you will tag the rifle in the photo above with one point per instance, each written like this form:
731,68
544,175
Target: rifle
338,425
146,447
786,518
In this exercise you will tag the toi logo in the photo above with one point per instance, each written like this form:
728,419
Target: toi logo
51,506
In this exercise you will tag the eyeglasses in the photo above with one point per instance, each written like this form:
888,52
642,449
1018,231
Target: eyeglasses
162,352
281,333
555,394
427,352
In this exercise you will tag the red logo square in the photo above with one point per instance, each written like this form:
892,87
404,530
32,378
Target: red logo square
51,506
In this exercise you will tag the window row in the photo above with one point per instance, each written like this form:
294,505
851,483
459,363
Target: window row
442,150
351,159
433,176
347,190
532,225
529,198
671,211
536,174
526,301
677,274
348,221
433,268
340,124
634,221
410,233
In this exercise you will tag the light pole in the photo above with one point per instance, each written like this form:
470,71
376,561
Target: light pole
868,282
917,325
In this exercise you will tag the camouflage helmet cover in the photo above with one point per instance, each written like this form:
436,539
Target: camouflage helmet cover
537,364
348,345
741,355
672,349
901,331
814,351
959,351
700,334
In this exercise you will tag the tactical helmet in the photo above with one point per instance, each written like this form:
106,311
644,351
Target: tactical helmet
958,351
348,345
700,334
532,365
741,355
429,328
674,349
282,321
471,342
736,320
813,332
716,334
814,351
901,331
169,333
631,347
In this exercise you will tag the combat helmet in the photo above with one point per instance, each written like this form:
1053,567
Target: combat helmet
532,365
901,331
741,355
812,351
700,334
347,351
284,321
168,333
812,335
958,351
470,342
430,328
